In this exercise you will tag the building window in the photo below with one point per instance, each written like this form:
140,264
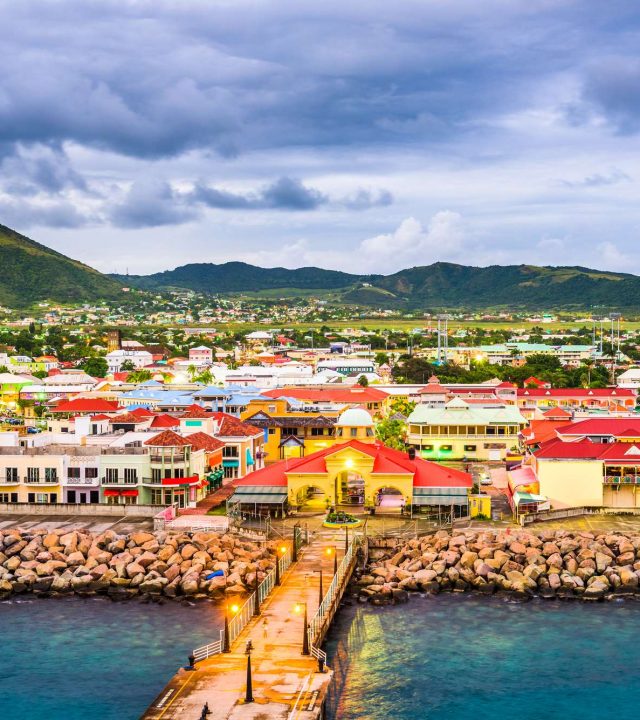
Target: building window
156,475
33,474
231,451
353,432
470,448
131,475
272,431
91,473
73,473
111,475
8,497
286,431
51,475
11,474
156,497
316,432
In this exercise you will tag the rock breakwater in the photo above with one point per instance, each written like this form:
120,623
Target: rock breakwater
549,564
159,564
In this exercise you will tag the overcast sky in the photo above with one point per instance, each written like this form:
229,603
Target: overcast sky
364,135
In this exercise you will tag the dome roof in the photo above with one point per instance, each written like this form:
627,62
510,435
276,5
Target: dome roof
355,417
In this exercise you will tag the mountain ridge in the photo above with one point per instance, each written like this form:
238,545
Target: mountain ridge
439,285
32,272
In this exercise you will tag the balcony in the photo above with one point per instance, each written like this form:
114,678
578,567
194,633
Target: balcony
625,480
167,459
42,481
9,480
120,481
81,481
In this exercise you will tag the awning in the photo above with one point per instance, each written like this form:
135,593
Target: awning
259,495
120,493
440,496
522,498
231,462
181,481
249,457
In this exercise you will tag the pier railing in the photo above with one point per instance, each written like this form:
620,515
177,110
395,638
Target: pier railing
242,618
322,619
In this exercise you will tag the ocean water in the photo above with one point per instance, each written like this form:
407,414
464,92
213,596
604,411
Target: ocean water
73,658
458,657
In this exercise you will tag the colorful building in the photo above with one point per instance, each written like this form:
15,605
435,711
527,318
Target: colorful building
461,431
357,472
291,429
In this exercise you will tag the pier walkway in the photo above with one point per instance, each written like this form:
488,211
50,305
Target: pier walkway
286,683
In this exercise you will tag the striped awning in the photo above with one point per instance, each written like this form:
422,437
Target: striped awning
440,496
259,495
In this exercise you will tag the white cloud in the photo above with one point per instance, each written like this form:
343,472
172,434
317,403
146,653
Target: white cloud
612,258
411,244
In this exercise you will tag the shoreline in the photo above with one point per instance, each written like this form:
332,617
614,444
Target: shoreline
148,566
521,564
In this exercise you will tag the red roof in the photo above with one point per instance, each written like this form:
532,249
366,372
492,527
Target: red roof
164,421
603,426
355,394
128,419
557,412
231,426
196,411
142,412
539,431
100,417
587,450
386,461
86,405
202,441
612,392
532,380
167,438
582,450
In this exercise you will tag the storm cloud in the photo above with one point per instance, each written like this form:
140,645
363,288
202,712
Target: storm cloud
333,123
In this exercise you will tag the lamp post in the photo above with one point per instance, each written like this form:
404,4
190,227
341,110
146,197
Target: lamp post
226,646
331,550
256,600
281,550
248,696
305,629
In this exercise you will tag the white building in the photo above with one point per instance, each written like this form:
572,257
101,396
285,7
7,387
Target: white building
630,379
138,358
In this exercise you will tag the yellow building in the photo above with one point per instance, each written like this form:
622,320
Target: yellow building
589,474
460,431
357,473
292,430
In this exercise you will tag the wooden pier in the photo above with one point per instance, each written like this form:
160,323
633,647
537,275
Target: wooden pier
286,683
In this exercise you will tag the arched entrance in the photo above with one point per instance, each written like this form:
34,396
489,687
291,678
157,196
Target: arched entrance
350,489
389,499
312,497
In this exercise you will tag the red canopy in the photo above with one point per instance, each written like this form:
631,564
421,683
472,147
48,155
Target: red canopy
181,481
119,493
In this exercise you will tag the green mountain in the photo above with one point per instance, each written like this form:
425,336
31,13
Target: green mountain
32,273
239,277
431,287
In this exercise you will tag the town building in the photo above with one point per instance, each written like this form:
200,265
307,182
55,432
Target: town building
292,428
613,399
356,472
461,431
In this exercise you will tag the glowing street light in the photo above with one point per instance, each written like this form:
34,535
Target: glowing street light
282,551
331,550
234,609
298,608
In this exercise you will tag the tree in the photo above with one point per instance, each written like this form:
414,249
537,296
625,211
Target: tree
205,377
127,366
362,381
95,366
392,433
138,376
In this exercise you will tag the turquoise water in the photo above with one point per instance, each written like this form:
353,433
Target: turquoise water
73,659
460,657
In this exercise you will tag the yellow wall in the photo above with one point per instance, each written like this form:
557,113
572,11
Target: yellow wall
480,505
348,460
571,483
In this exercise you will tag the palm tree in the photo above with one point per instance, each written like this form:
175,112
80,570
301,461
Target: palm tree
138,376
